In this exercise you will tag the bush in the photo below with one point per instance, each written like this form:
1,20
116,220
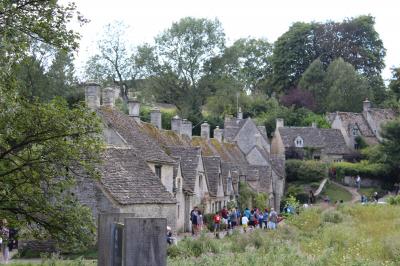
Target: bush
332,216
394,200
363,168
308,171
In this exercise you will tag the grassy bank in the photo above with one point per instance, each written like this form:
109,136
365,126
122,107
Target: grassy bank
350,235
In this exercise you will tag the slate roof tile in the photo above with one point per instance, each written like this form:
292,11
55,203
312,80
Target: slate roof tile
129,180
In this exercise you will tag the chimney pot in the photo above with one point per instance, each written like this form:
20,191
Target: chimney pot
240,114
218,134
205,130
108,97
92,95
314,124
134,109
155,117
366,105
279,122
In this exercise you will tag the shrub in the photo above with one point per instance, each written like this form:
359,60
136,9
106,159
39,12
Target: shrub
307,171
394,200
363,168
332,216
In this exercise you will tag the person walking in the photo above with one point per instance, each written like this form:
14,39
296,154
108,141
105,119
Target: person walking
358,182
273,219
265,218
217,224
193,219
5,234
199,221
245,223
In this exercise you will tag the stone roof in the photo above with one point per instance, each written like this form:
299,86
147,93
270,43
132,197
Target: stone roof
232,126
138,140
382,115
129,180
349,120
212,169
164,137
331,140
189,158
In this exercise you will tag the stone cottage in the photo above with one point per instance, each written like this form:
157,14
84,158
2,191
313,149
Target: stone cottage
367,124
310,142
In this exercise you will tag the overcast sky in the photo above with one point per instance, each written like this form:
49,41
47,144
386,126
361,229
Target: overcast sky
254,18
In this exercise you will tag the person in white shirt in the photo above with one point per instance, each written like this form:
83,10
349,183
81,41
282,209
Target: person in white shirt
245,222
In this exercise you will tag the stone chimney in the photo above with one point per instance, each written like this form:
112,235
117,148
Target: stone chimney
134,109
205,130
240,114
186,128
108,97
258,140
366,105
314,124
218,134
176,123
92,95
279,123
155,117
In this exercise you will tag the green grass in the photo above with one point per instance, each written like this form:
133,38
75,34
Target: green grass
350,235
335,193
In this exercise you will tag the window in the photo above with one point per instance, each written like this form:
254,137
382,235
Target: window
355,131
317,157
178,211
298,142
158,170
356,146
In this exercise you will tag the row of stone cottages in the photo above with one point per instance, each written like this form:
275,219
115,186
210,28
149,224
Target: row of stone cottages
152,172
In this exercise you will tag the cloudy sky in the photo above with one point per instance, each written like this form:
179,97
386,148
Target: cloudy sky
254,18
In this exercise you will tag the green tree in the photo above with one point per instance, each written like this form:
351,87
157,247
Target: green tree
113,64
43,146
391,145
313,80
346,87
248,61
394,85
293,53
181,53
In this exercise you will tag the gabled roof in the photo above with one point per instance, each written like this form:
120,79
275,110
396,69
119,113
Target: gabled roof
212,169
140,142
232,126
331,140
349,120
189,158
129,180
382,115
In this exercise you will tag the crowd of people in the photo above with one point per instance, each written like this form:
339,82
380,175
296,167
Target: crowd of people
230,219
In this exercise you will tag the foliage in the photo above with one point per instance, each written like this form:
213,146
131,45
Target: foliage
246,196
394,200
260,201
361,142
44,147
363,168
305,170
390,146
355,40
349,235
297,98
394,85
345,85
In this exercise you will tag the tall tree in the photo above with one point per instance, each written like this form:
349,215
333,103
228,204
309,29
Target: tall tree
42,145
347,88
394,85
313,80
248,61
113,64
181,52
355,40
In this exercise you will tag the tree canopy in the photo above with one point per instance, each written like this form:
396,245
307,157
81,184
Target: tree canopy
44,146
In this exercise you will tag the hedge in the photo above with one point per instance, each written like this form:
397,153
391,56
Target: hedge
363,168
308,171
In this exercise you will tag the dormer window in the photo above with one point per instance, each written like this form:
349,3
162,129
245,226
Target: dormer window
298,142
157,169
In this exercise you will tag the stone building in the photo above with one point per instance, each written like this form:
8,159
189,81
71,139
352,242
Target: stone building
367,124
309,142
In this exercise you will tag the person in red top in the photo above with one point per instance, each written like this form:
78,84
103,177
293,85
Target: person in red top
217,223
